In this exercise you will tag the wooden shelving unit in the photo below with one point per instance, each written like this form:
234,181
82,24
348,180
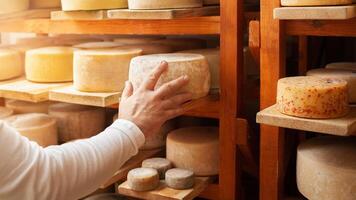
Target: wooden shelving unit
273,67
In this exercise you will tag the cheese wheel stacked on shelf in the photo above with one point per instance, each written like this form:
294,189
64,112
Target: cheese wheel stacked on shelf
143,179
102,70
45,3
22,107
314,2
181,44
351,66
77,121
11,64
160,164
73,5
13,6
166,4
5,112
312,97
195,149
49,64
193,65
179,179
37,127
348,76
98,45
326,168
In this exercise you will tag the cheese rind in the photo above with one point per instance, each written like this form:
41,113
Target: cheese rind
195,149
98,45
195,66
45,3
351,66
72,5
5,112
11,64
148,49
312,97
143,179
23,107
326,168
180,179
166,4
160,164
14,6
314,2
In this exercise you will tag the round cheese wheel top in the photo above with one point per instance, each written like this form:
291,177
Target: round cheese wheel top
143,179
5,112
30,121
160,164
68,5
342,65
301,82
166,4
151,48
52,50
109,52
180,178
97,45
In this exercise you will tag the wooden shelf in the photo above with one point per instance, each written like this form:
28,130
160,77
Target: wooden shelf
344,126
27,14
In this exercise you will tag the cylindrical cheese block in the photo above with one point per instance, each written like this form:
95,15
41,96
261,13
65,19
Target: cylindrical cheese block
77,121
143,179
314,2
181,44
158,140
98,45
37,127
193,65
348,76
196,149
351,66
312,97
179,179
211,2
326,168
102,70
13,6
68,5
136,40
50,64
5,112
152,48
45,3
11,64
160,164
166,4
22,107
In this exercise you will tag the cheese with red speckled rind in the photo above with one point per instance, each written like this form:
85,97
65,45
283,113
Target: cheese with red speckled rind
5,112
312,97
71,5
351,66
326,168
314,2
11,64
143,179
166,4
22,107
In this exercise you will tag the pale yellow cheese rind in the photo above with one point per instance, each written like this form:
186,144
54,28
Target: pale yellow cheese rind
11,64
162,165
148,49
180,179
143,179
166,4
13,6
69,5
314,2
22,107
45,4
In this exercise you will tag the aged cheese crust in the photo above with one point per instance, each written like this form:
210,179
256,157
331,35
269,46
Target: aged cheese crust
166,4
312,97
22,107
68,5
314,2
143,179
180,179
11,64
5,112
160,164
351,66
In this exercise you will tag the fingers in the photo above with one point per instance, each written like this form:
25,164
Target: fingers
128,91
172,87
153,78
176,101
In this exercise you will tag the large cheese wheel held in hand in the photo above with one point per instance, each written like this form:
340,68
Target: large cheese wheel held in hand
195,66
72,5
102,70
314,2
5,112
143,179
22,107
163,4
312,97
11,64
195,149
77,121
49,64
45,3
351,66
326,168
37,127
13,6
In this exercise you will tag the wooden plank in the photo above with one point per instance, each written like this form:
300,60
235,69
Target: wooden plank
134,162
28,91
70,95
27,14
317,12
208,107
344,126
11,80
164,13
163,192
79,15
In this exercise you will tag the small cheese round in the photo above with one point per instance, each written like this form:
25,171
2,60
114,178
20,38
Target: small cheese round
102,70
151,48
11,64
77,121
314,2
136,40
5,112
326,168
181,44
143,179
14,6
211,2
98,45
22,107
158,140
49,64
348,76
37,127
166,4
45,3
312,97
193,65
351,66
180,179
159,164
196,149
72,5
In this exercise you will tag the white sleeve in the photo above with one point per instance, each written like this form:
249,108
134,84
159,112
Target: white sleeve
69,171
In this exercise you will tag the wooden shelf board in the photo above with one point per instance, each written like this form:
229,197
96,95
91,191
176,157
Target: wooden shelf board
11,80
134,162
163,192
27,14
28,91
79,15
344,126
70,95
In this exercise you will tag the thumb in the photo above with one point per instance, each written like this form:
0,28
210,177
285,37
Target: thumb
128,91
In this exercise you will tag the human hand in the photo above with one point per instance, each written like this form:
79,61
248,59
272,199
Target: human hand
148,108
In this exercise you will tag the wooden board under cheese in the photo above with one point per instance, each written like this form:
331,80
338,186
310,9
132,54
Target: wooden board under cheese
166,4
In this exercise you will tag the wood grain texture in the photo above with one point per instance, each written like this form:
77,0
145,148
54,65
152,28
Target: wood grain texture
28,14
79,15
211,192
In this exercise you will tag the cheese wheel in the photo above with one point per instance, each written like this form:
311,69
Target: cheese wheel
22,107
180,179
166,4
11,64
37,127
213,57
314,2
351,66
196,149
45,3
159,164
14,6
180,64
69,5
158,140
77,121
102,70
49,64
136,40
143,179
181,44
152,48
211,2
98,45
326,168
312,97
5,112
348,76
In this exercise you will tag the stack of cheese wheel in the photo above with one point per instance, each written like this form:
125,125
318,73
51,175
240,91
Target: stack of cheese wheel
37,127
351,66
14,6
77,121
181,44
72,5
11,64
314,2
152,48
193,65
158,140
49,64
195,149
102,70
98,45
326,168
137,40
45,3
312,97
348,76
166,4
22,107
5,112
